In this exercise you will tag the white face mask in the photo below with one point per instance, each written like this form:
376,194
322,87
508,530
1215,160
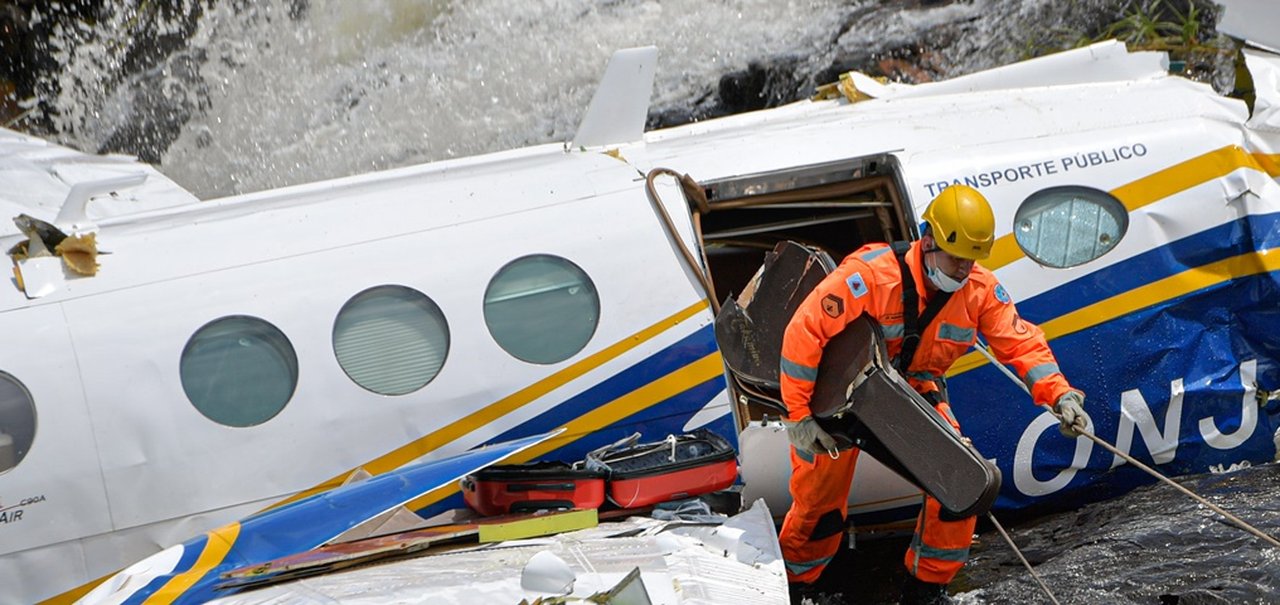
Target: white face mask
941,280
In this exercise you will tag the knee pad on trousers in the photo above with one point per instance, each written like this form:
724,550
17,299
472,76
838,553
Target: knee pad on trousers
829,524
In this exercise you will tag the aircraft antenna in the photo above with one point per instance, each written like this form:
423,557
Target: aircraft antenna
621,104
75,209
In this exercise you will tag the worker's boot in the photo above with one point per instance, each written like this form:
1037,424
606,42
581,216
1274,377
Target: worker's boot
917,592
802,593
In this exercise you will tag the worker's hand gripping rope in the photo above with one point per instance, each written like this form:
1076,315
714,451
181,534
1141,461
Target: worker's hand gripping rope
1070,410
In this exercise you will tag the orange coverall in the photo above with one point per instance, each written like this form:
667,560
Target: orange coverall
869,281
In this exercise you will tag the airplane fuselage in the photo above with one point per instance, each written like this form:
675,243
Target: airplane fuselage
235,354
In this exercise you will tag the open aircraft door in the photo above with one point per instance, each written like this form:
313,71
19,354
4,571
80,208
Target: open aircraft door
743,225
832,208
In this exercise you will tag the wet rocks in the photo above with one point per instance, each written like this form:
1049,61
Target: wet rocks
1154,545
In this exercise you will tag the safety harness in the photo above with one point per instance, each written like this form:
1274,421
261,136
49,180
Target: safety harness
912,323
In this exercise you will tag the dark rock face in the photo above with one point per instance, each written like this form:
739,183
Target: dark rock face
924,50
25,53
160,118
28,58
157,47
761,85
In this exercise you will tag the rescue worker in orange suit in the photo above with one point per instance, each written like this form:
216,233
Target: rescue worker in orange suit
958,230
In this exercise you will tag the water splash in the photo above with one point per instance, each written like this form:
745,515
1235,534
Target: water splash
233,96
266,94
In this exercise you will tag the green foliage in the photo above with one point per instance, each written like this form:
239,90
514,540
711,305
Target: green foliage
1160,25
1181,28
1174,26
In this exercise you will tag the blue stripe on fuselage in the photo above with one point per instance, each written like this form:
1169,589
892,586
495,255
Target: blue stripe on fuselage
190,554
1200,339
1249,234
655,422
688,350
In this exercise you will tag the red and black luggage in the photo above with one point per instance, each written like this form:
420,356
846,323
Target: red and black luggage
504,489
678,467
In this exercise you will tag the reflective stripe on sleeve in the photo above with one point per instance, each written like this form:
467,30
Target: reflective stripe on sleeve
1037,372
955,333
798,371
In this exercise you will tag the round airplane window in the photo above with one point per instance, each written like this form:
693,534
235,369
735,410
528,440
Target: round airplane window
17,422
541,308
1067,226
239,371
391,340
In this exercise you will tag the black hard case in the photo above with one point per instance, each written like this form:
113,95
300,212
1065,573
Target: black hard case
859,397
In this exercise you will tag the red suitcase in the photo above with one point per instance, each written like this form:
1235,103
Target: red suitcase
678,467
499,490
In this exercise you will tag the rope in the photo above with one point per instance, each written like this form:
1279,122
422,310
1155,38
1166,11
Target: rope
689,260
1025,563
1134,461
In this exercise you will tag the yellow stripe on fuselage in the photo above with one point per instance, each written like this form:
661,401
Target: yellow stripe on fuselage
215,550
1159,185
1146,190
678,381
429,443
1139,298
1269,162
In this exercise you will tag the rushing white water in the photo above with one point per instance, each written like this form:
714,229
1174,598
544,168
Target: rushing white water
349,87
267,93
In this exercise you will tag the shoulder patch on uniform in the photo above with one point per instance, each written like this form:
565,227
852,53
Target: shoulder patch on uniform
856,285
1001,295
832,305
1019,326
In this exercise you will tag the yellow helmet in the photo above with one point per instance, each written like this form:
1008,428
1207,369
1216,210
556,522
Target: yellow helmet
962,222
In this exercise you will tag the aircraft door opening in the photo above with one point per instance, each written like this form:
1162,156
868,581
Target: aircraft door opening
830,209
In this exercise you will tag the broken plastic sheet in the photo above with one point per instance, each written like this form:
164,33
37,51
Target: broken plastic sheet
302,526
738,561
1265,70
1107,61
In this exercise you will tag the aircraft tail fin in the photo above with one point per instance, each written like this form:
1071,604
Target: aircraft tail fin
621,104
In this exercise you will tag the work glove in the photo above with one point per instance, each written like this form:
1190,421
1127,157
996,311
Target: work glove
806,436
1070,410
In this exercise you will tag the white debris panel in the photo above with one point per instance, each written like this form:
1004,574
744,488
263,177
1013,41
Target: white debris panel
680,562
